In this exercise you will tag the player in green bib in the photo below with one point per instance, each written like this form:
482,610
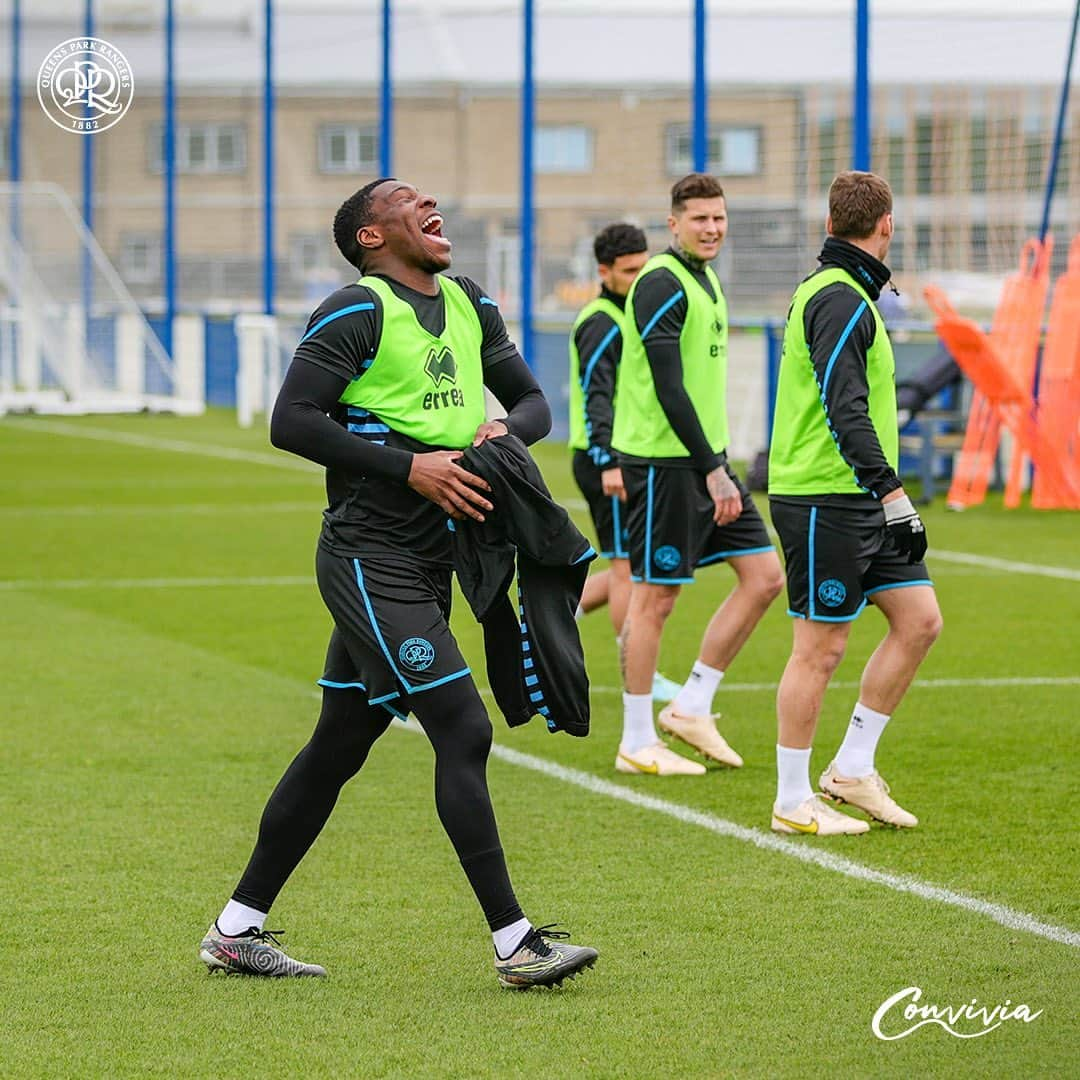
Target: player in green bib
685,506
385,390
849,532
596,342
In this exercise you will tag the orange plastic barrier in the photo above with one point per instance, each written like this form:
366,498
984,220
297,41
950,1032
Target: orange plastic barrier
1004,399
1059,379
1014,337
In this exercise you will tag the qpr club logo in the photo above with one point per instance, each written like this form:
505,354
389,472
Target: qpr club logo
832,592
417,653
85,85
667,557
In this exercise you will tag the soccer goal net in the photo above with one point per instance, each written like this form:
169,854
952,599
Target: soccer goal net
72,338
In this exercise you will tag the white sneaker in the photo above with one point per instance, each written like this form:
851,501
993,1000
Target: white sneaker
700,733
657,760
816,817
869,794
664,689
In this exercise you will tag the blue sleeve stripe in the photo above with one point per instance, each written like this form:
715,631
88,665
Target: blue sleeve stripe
336,315
840,344
667,304
371,427
608,338
488,300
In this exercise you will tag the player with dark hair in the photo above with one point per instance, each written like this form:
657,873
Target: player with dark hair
686,508
596,342
385,390
850,533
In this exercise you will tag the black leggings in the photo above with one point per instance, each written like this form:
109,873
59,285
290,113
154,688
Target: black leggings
456,723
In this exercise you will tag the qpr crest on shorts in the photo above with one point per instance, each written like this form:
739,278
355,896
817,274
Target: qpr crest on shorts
417,653
667,557
832,592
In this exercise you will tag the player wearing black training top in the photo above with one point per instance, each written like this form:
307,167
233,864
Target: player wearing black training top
596,342
385,390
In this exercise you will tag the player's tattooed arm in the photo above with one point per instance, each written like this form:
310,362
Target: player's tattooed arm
727,502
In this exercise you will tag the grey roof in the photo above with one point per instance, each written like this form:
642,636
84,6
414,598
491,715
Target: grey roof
479,46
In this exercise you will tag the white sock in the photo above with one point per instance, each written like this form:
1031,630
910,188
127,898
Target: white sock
510,937
792,777
637,725
696,697
238,918
856,754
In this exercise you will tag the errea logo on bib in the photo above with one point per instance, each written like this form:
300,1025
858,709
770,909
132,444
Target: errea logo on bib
441,367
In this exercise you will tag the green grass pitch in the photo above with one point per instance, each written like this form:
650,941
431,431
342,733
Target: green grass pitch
161,634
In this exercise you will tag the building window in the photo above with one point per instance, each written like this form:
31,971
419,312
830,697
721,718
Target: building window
896,126
980,246
140,258
924,155
309,253
977,154
563,148
348,148
202,148
729,151
923,241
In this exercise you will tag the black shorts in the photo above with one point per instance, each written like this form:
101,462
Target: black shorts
391,634
837,557
607,512
671,527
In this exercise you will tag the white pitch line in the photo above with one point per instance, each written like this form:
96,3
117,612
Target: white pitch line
283,461
919,684
152,510
29,585
988,562
803,851
176,446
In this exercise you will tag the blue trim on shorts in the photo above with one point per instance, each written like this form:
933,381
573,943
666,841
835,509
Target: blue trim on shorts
588,553
897,585
439,682
828,618
383,701
810,566
716,556
375,627
616,530
648,520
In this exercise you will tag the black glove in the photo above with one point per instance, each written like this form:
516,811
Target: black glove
905,527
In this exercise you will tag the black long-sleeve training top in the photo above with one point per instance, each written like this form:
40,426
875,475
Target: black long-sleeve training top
599,352
653,291
826,319
370,504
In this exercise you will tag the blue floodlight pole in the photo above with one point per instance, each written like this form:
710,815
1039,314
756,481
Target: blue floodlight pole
386,106
268,160
861,147
1059,134
88,184
169,161
528,103
15,107
701,91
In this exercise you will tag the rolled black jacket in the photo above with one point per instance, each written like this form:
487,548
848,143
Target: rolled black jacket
535,662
